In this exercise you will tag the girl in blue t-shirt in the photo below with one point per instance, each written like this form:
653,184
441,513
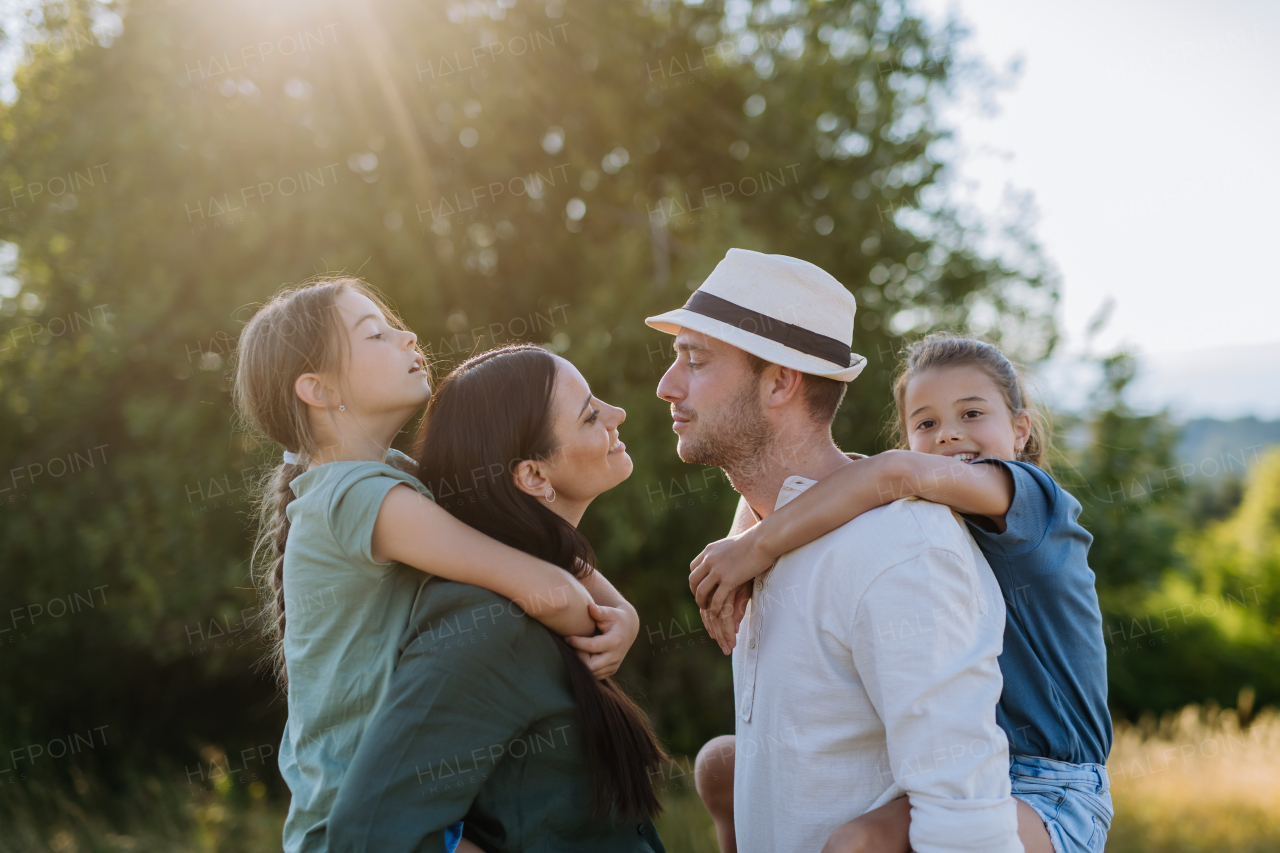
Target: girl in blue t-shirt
960,403
329,372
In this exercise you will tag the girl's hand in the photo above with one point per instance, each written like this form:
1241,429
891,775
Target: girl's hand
724,566
604,652
722,626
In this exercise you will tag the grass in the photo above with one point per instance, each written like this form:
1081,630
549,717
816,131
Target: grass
1190,782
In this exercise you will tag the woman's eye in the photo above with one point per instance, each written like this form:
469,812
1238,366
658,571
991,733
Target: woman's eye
592,417
375,337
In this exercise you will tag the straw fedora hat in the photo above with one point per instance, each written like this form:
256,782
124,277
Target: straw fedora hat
784,310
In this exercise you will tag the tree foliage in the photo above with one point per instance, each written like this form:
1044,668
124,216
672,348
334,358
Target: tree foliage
502,170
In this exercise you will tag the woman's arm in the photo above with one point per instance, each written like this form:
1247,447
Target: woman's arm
413,530
840,497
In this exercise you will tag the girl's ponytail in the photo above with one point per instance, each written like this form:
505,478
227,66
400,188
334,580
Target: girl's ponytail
274,532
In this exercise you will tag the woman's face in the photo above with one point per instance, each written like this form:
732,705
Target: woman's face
589,458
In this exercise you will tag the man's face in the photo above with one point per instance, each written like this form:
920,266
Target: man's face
715,399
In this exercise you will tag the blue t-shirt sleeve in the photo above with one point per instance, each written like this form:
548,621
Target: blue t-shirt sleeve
355,502
1029,515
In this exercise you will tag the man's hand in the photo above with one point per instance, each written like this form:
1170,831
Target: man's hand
722,625
719,572
883,830
603,653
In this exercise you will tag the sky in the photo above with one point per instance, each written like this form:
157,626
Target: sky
1146,133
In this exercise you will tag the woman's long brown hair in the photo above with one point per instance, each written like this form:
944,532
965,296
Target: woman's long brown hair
491,412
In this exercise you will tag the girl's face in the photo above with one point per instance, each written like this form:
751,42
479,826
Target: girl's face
960,412
385,374
589,458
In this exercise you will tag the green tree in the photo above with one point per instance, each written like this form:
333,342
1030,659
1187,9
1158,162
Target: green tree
552,172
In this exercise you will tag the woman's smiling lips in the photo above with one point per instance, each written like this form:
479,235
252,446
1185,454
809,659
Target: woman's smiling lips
618,447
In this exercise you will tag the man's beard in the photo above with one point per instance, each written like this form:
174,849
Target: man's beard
736,438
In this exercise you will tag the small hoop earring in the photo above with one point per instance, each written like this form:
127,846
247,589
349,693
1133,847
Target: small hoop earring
342,408
549,494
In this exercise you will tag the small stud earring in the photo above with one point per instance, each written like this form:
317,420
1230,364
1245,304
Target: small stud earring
341,408
549,494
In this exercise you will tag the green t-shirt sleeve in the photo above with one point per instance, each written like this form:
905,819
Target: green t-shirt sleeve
354,503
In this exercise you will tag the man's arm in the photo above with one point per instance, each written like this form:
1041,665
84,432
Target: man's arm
925,645
464,686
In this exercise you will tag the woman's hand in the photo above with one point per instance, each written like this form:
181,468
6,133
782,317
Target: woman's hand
603,653
721,569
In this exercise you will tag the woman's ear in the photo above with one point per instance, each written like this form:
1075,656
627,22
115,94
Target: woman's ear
529,478
311,390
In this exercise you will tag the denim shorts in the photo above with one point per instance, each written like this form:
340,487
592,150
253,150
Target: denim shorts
453,836
1073,800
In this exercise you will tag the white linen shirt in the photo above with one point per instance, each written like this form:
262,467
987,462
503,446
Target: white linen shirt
866,669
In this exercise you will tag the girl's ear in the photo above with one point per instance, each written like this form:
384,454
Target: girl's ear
1021,430
311,390
529,478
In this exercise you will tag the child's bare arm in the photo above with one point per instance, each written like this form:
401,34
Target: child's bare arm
413,530
838,498
618,623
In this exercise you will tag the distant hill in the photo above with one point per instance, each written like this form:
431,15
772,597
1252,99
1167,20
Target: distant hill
1207,442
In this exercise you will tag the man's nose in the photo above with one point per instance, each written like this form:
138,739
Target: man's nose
669,388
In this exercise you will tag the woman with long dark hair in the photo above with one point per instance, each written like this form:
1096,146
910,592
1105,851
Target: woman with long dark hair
490,718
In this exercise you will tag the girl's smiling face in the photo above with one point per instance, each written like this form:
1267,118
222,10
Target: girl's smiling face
962,413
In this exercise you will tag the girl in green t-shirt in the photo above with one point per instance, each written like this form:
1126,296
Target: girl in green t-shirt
330,372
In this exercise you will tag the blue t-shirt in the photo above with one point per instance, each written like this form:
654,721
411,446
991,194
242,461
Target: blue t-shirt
1054,662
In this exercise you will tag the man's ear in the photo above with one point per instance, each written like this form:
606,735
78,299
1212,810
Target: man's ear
784,383
529,478
311,390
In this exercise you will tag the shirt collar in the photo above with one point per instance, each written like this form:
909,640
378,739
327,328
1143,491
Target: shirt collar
791,487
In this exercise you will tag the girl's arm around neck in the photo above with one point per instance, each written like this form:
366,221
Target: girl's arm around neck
413,530
841,496
864,484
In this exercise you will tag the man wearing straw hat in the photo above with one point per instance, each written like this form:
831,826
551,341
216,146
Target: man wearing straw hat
865,665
